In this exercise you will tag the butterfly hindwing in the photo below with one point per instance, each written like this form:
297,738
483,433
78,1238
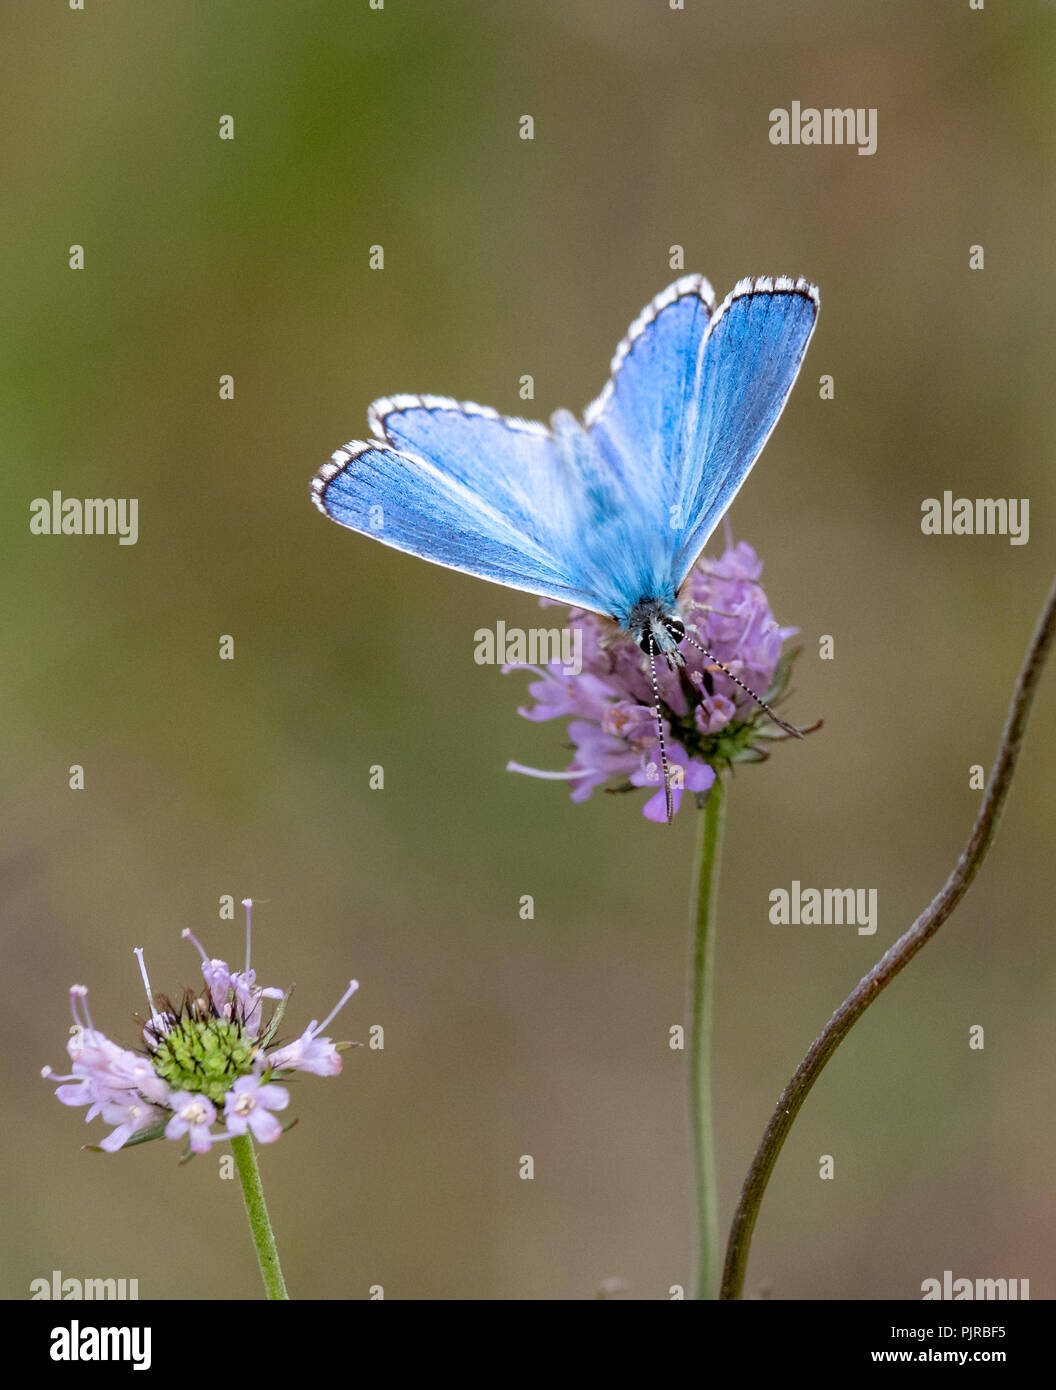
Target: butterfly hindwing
512,463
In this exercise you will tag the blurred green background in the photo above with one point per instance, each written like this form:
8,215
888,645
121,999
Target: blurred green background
206,777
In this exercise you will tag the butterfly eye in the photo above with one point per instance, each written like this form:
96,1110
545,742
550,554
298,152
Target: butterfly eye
676,628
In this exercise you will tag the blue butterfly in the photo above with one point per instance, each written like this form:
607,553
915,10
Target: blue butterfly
609,514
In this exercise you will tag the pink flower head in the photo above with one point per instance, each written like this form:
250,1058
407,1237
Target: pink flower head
708,719
208,1052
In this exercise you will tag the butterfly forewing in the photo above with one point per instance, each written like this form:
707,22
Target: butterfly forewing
750,359
637,422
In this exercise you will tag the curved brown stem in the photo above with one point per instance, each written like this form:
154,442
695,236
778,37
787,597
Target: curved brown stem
893,960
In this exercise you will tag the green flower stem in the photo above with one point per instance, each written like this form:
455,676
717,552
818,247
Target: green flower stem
702,922
259,1222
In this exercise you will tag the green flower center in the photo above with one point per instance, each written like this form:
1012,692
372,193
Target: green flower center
204,1055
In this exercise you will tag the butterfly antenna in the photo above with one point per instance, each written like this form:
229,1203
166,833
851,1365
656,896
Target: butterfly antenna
788,728
660,732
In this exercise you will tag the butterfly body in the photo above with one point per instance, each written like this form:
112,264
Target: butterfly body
609,513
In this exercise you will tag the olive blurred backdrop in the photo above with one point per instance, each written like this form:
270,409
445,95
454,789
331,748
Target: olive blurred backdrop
505,1037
